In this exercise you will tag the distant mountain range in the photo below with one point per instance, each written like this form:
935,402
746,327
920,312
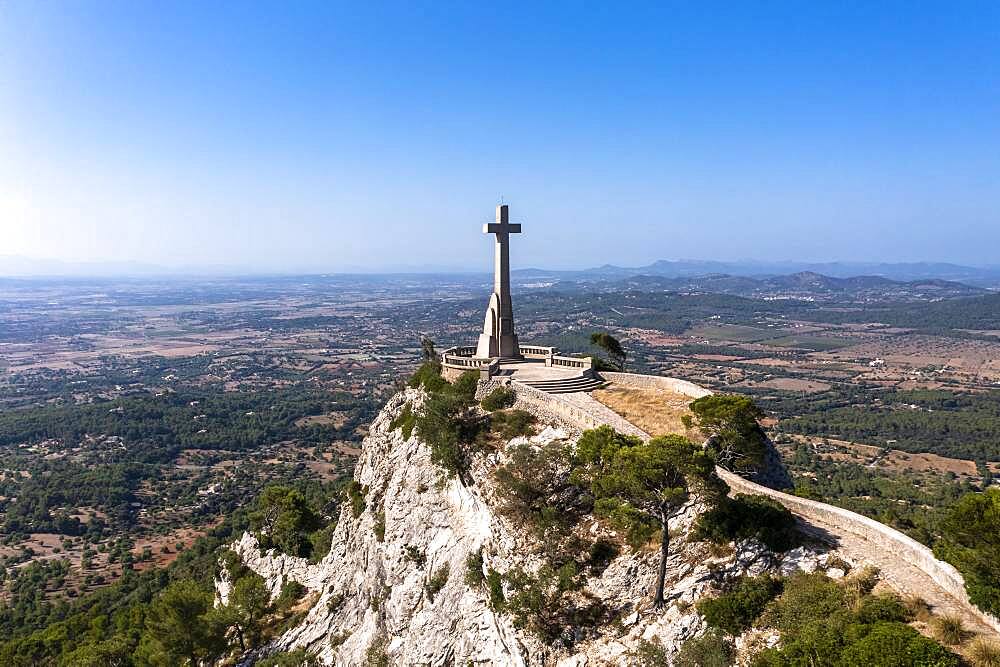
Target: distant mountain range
687,268
807,285
721,273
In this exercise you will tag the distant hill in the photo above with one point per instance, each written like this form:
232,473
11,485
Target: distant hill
804,285
900,272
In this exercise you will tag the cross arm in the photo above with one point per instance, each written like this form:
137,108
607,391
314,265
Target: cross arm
500,228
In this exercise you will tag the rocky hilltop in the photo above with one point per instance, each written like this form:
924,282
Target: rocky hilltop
420,560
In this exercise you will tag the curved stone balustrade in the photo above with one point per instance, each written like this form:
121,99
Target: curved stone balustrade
537,351
585,363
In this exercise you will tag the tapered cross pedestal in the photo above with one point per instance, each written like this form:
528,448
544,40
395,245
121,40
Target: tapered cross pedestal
498,338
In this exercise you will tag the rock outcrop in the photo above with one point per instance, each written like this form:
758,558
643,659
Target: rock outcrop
395,578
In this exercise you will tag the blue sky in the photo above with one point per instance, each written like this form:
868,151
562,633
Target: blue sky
298,136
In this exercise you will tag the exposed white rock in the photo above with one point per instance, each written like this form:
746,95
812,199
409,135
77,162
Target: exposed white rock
369,590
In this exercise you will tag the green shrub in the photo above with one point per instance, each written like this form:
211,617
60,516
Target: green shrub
356,493
291,592
321,540
805,597
984,652
379,526
820,629
494,582
539,601
948,628
512,424
896,645
428,376
405,420
748,516
437,582
712,649
737,609
650,653
602,552
474,569
415,555
297,658
877,608
498,399
448,426
970,540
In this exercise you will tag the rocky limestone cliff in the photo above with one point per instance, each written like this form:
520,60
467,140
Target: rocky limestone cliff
371,594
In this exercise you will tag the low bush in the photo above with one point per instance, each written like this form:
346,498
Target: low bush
297,658
428,376
878,608
712,649
356,494
494,583
498,399
948,629
650,653
448,424
823,624
474,569
540,602
984,652
415,555
737,609
896,645
539,495
512,423
291,592
437,581
748,516
405,420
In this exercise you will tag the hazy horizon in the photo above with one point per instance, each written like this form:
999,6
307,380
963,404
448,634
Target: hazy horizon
312,138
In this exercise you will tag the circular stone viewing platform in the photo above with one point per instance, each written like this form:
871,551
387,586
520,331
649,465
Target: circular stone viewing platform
539,367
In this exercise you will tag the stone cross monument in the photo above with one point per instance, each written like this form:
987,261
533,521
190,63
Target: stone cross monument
498,338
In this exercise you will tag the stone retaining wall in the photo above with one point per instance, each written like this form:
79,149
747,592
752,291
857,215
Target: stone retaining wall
878,534
552,407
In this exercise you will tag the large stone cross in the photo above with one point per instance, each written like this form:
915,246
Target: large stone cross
498,338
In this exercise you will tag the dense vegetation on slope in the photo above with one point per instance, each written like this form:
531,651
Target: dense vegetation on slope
975,313
822,623
165,616
940,422
971,541
102,452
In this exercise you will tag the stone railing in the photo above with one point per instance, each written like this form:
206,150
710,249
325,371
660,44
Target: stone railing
460,359
872,531
537,351
584,363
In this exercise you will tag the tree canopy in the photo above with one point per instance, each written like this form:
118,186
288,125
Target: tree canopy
736,439
971,542
612,347
637,485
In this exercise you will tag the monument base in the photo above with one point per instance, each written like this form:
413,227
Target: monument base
504,346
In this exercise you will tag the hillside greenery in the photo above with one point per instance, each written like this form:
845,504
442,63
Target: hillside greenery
161,616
